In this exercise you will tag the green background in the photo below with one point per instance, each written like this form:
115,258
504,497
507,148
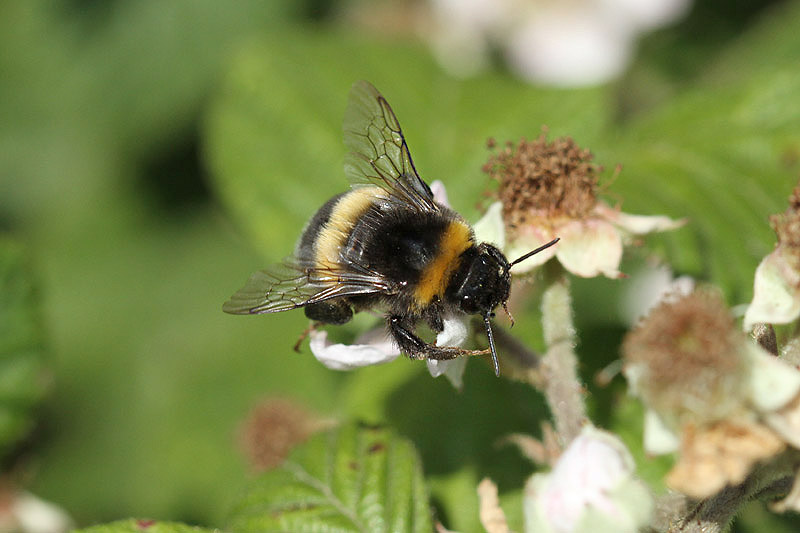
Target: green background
153,154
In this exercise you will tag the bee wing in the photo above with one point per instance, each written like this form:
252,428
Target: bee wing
379,154
289,286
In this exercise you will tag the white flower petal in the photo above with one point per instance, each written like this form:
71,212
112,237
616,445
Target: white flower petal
637,224
649,287
773,383
592,478
591,247
776,298
532,238
439,193
34,515
374,350
454,334
453,369
569,44
658,438
490,227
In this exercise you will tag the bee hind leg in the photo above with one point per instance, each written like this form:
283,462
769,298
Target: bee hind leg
334,312
416,348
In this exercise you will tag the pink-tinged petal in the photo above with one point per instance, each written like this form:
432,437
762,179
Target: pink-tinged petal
439,193
529,239
490,228
589,248
372,348
592,488
637,224
776,293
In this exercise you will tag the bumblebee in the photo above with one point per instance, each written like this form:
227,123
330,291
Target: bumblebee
385,244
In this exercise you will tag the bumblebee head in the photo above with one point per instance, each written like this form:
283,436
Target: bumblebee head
483,282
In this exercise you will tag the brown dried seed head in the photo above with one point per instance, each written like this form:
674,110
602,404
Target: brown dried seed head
541,179
787,228
272,429
688,358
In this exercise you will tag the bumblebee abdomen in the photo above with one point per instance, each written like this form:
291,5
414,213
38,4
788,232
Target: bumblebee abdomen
325,234
364,230
435,277
418,251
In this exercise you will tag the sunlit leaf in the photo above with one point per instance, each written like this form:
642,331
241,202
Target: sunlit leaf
355,478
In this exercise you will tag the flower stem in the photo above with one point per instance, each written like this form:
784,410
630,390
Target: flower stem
561,386
714,515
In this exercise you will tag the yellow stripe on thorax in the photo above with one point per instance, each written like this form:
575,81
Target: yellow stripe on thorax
433,282
347,211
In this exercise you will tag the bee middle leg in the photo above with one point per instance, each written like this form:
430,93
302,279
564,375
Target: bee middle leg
416,348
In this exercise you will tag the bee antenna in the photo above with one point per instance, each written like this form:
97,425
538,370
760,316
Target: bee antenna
491,345
534,252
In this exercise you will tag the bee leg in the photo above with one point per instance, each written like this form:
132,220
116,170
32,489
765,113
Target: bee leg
416,348
435,321
331,312
311,327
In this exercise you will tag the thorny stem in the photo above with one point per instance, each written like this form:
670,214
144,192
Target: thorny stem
561,386
714,514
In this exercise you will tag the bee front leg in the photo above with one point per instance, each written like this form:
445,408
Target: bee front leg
416,348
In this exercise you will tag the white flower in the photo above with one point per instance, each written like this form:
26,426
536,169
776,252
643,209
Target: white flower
570,43
549,190
23,512
591,489
776,291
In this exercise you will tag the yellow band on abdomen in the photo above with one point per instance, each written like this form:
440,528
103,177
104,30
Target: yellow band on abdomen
434,279
347,211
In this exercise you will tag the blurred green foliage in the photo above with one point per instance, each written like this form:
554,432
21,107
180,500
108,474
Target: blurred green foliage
150,526
153,154
23,377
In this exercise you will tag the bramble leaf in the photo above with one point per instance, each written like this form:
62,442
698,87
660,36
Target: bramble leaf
355,478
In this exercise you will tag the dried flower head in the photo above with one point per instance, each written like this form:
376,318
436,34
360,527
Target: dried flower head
711,393
550,189
787,227
721,454
541,179
272,429
776,290
687,358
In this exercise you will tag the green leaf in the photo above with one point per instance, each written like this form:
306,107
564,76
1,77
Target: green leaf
355,478
23,380
143,526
